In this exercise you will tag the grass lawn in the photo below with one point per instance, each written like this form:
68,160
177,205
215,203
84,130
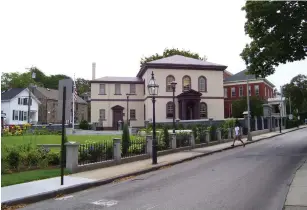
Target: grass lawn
52,139
28,176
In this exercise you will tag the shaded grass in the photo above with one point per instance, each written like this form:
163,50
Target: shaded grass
28,176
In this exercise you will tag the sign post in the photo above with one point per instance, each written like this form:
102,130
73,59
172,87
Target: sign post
63,136
63,113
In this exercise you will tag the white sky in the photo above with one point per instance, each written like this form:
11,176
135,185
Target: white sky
66,36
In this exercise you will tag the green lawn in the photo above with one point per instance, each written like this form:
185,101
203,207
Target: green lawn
52,139
28,176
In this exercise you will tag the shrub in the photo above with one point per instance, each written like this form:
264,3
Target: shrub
53,158
13,159
166,137
84,125
125,140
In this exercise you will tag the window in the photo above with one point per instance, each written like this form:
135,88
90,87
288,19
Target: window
102,114
169,109
240,91
169,79
250,90
225,93
202,84
203,110
25,116
233,92
186,83
132,89
19,101
132,114
264,91
117,89
25,101
15,115
144,112
102,89
20,115
257,90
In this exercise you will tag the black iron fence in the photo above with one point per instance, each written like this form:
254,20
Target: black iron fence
183,139
252,124
164,142
95,152
136,146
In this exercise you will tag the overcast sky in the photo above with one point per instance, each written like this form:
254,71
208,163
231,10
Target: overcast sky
66,36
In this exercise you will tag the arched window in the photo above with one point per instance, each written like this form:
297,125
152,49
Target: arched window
169,109
202,84
186,83
169,79
203,110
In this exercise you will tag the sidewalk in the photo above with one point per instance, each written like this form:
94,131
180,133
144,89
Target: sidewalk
297,195
48,188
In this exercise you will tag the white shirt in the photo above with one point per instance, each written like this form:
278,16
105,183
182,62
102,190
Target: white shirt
237,129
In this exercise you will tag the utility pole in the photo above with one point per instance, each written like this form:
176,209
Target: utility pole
33,75
249,136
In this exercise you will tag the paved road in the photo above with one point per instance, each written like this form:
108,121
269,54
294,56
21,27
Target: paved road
250,178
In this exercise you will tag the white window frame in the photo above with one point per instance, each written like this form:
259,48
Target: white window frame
225,92
233,90
25,116
241,93
250,90
257,90
15,115
102,114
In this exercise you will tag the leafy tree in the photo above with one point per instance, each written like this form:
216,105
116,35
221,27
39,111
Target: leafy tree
296,90
278,30
169,52
82,85
240,106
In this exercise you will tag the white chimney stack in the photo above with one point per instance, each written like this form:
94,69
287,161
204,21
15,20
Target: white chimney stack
93,70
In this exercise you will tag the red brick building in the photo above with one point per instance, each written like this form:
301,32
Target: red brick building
235,88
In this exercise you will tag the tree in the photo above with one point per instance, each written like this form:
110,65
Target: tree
82,85
296,90
278,30
240,106
169,52
23,80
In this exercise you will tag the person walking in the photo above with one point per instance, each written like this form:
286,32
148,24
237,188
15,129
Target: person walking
237,136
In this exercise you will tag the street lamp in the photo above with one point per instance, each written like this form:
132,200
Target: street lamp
33,77
173,85
153,89
128,109
249,135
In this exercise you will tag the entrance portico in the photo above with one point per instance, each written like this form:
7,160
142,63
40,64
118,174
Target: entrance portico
189,105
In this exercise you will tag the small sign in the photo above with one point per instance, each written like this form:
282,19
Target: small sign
68,83
290,116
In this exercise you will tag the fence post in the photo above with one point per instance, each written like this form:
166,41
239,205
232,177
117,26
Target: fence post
173,141
72,150
192,139
207,137
149,145
262,123
218,135
117,150
229,133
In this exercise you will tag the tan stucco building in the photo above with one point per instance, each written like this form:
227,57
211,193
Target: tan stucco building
199,93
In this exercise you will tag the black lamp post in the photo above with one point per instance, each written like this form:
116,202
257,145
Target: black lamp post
153,92
173,85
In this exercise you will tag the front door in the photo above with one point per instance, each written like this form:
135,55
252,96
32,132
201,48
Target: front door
117,116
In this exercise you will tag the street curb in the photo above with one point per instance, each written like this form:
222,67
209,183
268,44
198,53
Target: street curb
85,186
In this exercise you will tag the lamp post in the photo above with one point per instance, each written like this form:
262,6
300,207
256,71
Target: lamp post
128,109
280,118
173,85
153,92
29,100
